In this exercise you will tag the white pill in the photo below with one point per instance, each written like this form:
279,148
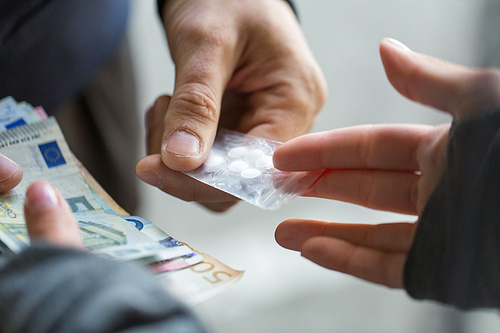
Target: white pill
213,160
264,162
250,173
253,155
238,166
237,152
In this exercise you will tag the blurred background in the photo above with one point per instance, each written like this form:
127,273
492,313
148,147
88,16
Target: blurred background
281,291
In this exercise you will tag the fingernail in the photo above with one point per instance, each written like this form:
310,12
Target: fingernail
398,44
41,197
8,167
182,143
150,178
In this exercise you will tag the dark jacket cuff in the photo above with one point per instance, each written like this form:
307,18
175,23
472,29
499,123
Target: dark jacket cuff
455,256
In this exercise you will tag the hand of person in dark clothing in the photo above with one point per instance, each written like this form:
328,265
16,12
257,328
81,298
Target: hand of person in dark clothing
386,167
61,287
49,218
243,65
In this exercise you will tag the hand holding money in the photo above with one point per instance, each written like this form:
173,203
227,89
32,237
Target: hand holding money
70,209
49,218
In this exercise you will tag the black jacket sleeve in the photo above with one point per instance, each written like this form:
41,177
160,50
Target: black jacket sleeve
455,257
49,50
48,289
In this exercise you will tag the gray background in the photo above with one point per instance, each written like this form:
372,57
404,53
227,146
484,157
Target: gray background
281,291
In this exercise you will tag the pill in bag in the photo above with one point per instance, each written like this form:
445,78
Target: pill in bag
242,165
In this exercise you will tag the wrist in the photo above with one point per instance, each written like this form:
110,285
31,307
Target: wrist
161,5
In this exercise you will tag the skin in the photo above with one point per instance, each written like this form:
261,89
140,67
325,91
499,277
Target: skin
240,64
11,174
49,218
387,167
368,163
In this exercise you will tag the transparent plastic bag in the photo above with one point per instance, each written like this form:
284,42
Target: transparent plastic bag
242,165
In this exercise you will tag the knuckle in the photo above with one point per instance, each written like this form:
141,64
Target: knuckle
322,92
195,102
489,75
315,87
489,79
480,91
320,89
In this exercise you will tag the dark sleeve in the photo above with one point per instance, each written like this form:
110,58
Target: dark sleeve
50,49
455,257
48,289
161,3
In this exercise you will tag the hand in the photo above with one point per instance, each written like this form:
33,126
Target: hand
49,218
10,174
386,167
240,64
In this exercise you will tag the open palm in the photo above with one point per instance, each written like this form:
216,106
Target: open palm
386,167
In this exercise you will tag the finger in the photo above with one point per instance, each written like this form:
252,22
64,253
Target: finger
152,171
458,90
49,217
11,174
395,191
390,147
376,266
154,124
204,60
396,237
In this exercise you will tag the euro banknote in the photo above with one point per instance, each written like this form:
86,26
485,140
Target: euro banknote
37,144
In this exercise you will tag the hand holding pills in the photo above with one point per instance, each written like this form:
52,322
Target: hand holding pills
240,64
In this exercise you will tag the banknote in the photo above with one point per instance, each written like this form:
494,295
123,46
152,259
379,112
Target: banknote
170,265
36,142
196,279
200,281
41,150
13,114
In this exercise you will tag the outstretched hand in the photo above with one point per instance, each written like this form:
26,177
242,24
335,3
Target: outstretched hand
240,64
387,167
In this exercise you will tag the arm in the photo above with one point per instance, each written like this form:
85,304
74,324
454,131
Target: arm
50,49
54,289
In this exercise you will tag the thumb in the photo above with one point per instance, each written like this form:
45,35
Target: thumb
10,174
449,87
192,116
49,218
